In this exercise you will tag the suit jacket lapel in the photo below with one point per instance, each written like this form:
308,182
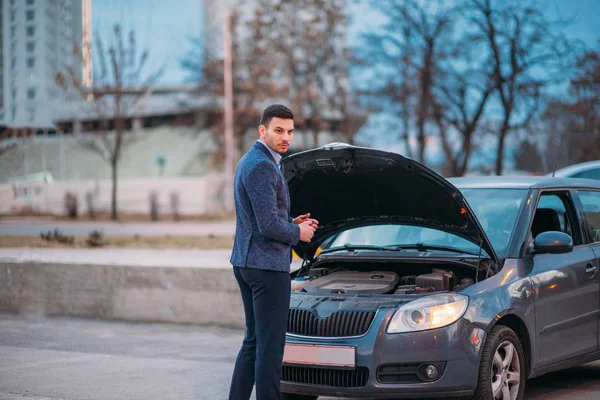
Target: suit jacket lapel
263,149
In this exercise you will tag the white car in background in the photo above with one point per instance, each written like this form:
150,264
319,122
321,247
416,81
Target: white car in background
589,170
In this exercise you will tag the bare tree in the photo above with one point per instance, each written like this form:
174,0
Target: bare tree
409,49
460,104
193,61
303,63
117,88
569,129
527,53
585,87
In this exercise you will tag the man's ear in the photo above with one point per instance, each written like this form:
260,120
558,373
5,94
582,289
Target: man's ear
262,129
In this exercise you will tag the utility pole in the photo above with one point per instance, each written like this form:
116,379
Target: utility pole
228,83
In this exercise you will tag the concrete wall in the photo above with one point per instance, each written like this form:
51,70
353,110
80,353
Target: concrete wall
197,195
132,293
187,151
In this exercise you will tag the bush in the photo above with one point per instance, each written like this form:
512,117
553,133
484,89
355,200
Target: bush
95,239
71,205
58,237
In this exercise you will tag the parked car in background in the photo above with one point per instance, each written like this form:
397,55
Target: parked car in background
588,170
427,287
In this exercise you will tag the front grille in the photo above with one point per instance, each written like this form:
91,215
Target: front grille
406,373
338,324
398,373
326,377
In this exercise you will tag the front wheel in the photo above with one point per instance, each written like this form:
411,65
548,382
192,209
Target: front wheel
291,396
502,368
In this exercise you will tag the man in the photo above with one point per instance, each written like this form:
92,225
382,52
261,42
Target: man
262,255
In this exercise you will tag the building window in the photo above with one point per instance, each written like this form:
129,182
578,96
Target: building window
13,16
30,30
14,63
14,94
13,31
31,94
30,46
30,2
30,62
30,15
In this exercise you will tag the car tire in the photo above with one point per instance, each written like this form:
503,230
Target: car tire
292,396
502,372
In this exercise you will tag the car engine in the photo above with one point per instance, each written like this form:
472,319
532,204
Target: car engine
324,281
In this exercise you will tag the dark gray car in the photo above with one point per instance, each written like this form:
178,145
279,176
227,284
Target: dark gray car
416,286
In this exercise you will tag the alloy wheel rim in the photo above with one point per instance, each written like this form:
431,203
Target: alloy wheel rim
506,372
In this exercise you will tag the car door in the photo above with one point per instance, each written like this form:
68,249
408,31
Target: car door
566,286
589,206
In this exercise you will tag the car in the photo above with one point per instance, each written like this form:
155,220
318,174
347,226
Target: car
417,286
588,170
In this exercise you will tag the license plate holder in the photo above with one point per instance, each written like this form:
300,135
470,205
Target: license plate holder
319,355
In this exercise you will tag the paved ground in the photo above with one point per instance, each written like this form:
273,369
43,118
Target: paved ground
138,257
33,227
75,359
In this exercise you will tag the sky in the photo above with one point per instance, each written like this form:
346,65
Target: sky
164,28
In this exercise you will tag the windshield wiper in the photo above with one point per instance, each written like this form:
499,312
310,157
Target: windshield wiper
350,247
426,247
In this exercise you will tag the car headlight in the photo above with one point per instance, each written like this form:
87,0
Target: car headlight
429,312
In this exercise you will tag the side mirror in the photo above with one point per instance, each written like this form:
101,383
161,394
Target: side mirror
553,242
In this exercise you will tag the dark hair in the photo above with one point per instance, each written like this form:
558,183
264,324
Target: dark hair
275,111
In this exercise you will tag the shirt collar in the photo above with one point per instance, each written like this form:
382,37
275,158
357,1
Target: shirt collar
276,155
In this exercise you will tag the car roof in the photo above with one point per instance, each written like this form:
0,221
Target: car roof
573,169
523,182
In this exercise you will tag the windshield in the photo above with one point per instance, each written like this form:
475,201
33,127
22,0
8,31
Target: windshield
496,210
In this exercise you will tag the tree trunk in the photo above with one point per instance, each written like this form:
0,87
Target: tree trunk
500,150
113,208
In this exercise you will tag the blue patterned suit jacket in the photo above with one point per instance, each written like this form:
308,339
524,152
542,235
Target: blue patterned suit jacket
264,232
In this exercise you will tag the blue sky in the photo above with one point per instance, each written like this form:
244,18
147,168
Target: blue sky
163,28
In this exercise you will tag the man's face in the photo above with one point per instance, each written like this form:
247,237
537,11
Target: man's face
278,135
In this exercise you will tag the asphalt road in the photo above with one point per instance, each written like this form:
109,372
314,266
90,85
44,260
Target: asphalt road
60,358
34,227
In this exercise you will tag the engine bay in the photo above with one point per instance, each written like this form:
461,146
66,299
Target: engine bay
352,279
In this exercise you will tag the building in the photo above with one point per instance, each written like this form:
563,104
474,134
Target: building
215,12
37,41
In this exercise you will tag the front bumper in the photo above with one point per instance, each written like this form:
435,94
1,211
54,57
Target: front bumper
456,346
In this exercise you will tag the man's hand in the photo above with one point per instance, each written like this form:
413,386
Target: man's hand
306,217
307,230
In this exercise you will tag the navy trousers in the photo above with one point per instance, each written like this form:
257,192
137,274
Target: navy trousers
266,298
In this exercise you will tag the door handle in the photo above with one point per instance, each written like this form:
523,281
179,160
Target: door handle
590,270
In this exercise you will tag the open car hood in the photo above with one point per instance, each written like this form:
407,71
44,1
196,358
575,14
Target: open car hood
345,186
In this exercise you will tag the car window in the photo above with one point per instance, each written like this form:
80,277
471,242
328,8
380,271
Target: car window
589,174
591,211
552,214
